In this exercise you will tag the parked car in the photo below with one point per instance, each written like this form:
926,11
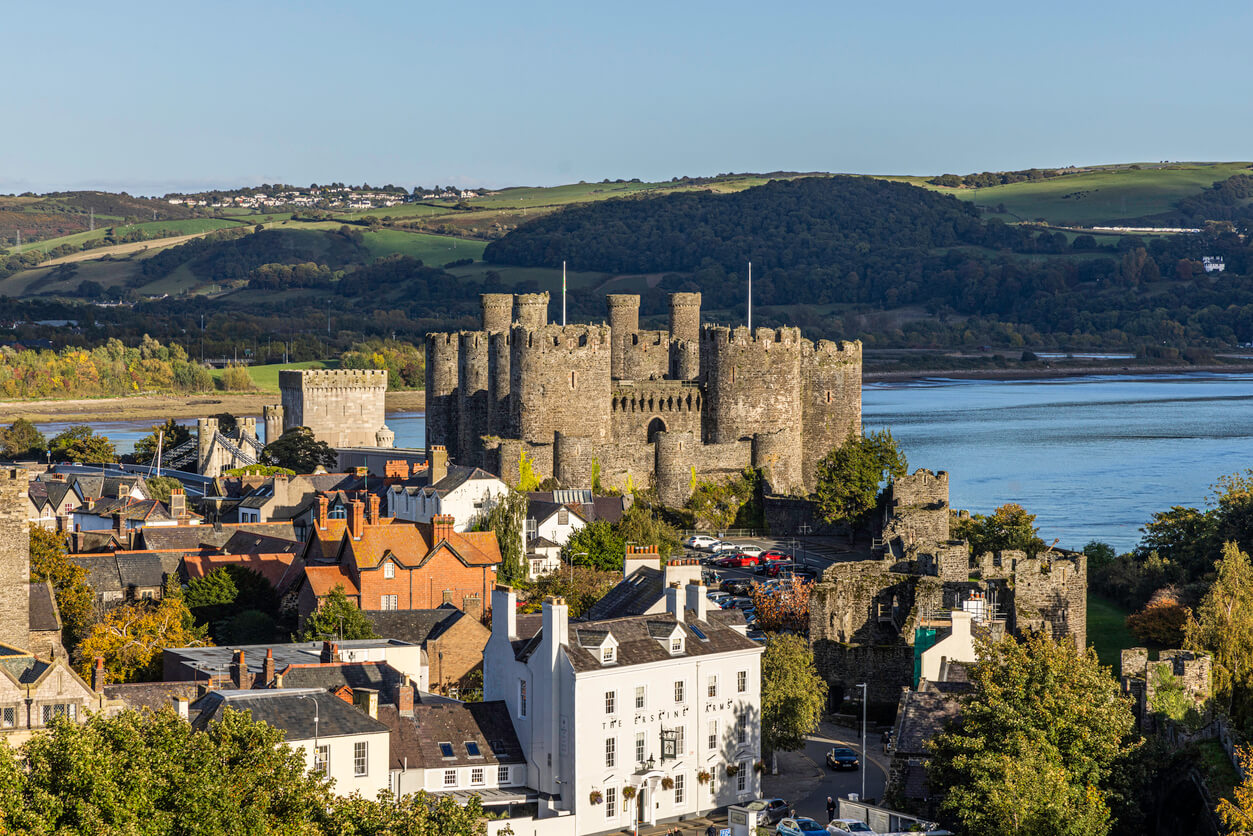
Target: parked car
755,634
718,597
749,548
802,572
770,810
735,586
740,602
799,826
842,757
775,557
700,541
719,546
848,827
736,561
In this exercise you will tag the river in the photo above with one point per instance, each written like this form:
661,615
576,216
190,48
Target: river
1092,457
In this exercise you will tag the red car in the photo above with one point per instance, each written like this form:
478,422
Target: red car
737,561
774,557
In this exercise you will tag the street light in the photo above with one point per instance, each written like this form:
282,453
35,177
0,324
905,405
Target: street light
864,761
315,728
572,557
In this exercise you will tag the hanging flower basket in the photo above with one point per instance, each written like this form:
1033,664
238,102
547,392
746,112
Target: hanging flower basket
628,792
595,797
759,767
703,777
667,783
733,769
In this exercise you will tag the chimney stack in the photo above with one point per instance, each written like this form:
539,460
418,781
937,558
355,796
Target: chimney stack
330,652
638,557
178,504
98,675
117,522
180,707
443,526
323,504
395,471
556,626
367,699
472,605
696,601
674,602
404,698
373,516
437,459
356,519
505,608
267,668
239,671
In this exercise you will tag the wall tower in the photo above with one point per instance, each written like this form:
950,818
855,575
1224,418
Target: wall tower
14,560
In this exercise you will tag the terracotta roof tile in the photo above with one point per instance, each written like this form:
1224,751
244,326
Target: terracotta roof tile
323,579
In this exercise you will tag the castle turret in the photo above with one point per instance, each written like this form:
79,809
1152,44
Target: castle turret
441,390
206,429
472,380
624,320
685,335
672,468
831,401
499,412
560,380
343,407
497,311
248,428
273,414
530,310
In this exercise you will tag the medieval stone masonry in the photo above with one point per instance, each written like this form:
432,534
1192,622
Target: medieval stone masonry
343,407
634,407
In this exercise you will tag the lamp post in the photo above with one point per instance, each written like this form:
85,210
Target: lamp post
315,729
864,761
572,557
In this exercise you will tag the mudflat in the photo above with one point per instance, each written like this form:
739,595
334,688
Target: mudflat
158,407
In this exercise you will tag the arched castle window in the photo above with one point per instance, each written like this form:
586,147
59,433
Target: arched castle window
655,426
670,404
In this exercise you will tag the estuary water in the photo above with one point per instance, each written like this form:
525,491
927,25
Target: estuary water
1092,457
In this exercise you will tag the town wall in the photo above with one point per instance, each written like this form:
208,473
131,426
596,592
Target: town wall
14,559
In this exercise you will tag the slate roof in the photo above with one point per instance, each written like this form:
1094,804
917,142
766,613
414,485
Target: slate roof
44,616
151,695
217,536
143,510
922,715
121,570
644,639
97,486
414,626
55,493
415,740
635,594
290,711
377,675
607,508
22,667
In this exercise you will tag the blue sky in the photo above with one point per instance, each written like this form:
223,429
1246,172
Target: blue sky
154,97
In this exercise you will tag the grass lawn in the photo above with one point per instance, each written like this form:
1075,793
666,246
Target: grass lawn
1220,776
265,378
1107,630
434,250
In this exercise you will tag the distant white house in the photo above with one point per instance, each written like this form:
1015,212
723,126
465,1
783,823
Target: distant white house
1213,263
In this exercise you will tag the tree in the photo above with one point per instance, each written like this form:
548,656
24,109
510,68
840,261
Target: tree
75,598
784,606
168,436
849,477
581,586
792,693
131,638
1237,812
336,617
298,450
730,503
22,440
506,518
79,444
1033,747
641,526
1223,627
1162,620
597,544
1009,527
160,487
235,378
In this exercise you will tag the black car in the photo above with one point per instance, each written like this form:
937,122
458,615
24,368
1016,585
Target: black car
842,757
735,586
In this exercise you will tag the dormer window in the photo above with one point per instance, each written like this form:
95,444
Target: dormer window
676,645
608,654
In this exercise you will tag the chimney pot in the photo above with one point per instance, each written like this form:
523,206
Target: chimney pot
98,675
356,518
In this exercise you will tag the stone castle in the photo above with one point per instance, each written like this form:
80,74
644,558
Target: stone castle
343,407
632,407
869,619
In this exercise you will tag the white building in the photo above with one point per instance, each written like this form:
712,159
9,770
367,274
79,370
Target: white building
1213,263
666,704
957,646
466,493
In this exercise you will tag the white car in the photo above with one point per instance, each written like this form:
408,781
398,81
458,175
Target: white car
750,550
718,598
700,541
848,827
723,546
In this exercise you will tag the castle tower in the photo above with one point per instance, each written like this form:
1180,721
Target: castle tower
14,560
672,467
530,310
248,427
499,412
497,311
441,390
343,407
624,320
206,428
560,380
472,396
273,415
685,336
831,401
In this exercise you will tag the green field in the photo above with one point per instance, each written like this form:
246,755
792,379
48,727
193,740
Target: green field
265,378
190,226
1105,195
433,250
1107,630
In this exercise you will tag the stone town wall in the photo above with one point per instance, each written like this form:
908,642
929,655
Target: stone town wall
14,559
831,400
343,407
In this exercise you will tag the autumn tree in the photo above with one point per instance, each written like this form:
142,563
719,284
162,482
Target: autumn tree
167,436
160,487
131,638
783,606
1034,745
792,693
336,617
75,598
851,475
22,440
297,449
1223,627
80,444
1237,812
1162,620
1008,527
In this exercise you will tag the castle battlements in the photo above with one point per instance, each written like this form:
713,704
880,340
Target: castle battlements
343,407
639,406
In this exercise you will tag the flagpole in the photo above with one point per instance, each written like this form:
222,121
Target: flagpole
750,298
563,294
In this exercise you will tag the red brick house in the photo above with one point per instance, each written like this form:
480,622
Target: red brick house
386,564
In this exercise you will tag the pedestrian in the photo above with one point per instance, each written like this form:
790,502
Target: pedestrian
711,830
830,809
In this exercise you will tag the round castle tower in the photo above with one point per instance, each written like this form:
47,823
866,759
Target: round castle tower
530,310
497,311
624,320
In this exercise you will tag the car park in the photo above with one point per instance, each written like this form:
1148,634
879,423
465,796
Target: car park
750,549
799,826
700,541
848,827
842,757
736,561
735,586
769,810
740,602
720,546
718,597
775,557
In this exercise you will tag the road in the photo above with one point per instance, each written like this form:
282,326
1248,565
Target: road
805,781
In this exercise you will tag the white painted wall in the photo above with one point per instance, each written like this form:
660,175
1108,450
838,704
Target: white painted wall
341,766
